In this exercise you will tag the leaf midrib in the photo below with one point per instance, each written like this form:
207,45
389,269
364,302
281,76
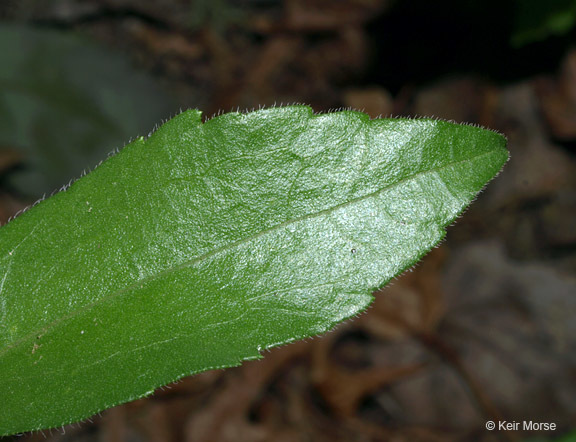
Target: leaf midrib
235,244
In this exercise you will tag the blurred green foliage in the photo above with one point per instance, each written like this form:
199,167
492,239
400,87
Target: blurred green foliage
536,20
66,102
215,14
569,437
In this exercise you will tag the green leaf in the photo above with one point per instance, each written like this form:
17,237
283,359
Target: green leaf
65,102
536,20
207,243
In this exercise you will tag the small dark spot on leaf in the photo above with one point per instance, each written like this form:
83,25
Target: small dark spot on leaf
353,251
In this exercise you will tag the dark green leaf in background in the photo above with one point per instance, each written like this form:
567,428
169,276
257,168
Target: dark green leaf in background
536,20
205,244
66,102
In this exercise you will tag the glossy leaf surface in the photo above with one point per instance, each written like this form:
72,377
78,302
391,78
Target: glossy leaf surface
207,243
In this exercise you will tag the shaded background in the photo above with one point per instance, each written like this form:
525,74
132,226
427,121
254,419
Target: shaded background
484,328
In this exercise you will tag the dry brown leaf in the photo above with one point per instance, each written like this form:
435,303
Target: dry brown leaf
558,99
